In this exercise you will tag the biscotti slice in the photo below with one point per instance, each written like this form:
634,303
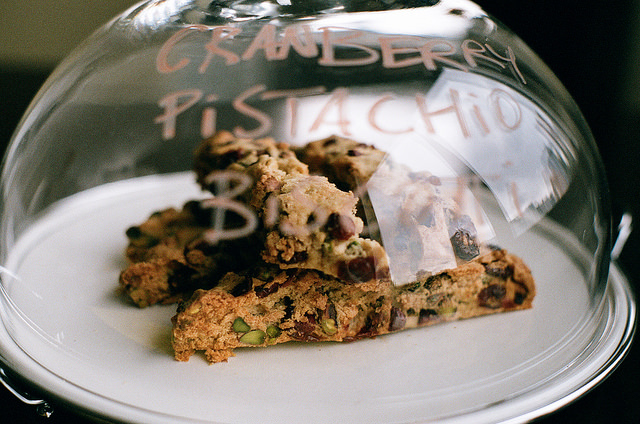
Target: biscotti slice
271,306
171,226
317,228
170,258
347,163
224,151
309,222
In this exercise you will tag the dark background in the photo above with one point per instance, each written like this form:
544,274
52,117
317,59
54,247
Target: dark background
593,48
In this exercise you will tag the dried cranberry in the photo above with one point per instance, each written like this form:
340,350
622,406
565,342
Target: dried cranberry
433,180
242,287
371,325
288,307
464,245
426,315
202,216
330,311
311,219
492,296
181,278
134,232
383,273
499,269
340,227
357,270
397,319
182,306
304,331
230,157
264,291
293,275
298,257
311,318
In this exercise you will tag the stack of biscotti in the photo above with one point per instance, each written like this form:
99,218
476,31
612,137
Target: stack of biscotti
308,270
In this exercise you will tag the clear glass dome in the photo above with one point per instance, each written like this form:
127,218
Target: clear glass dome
477,146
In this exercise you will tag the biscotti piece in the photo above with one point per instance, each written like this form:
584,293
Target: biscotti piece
270,306
347,163
224,151
309,222
318,229
170,258
170,227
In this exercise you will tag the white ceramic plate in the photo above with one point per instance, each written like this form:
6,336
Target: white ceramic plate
67,331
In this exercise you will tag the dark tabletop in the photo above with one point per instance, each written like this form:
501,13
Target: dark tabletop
588,45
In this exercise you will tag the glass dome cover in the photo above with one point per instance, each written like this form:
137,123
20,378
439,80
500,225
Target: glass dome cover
476,146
